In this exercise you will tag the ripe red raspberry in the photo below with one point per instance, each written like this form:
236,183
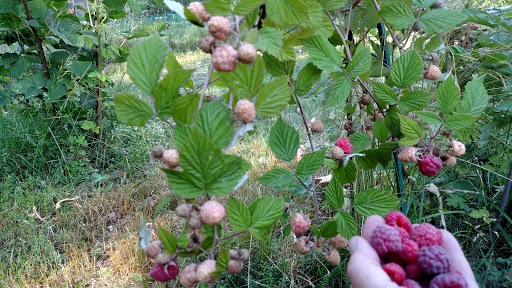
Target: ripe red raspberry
432,73
164,273
234,266
426,234
317,127
337,153
206,44
344,143
339,242
413,271
225,58
198,9
204,271
385,239
219,27
333,257
409,283
300,223
458,149
188,276
245,111
247,53
448,280
407,154
153,249
434,260
429,165
409,252
395,272
404,235
171,158
397,218
212,212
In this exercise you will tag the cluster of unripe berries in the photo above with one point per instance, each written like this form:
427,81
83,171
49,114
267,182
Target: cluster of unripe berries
341,148
300,224
430,164
413,255
224,56
169,157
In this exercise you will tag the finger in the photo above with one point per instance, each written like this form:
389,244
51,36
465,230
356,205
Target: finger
370,224
459,261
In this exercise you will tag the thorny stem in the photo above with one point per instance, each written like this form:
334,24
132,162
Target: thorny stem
206,82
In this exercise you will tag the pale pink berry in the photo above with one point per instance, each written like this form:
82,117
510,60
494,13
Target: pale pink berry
206,44
299,223
317,127
198,9
407,154
234,254
212,212
194,222
247,53
337,153
234,266
184,210
339,242
163,258
245,255
204,271
171,158
333,257
245,111
219,27
458,149
432,73
188,276
225,58
448,161
153,249
303,245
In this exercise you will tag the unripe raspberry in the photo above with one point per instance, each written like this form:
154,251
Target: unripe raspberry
437,151
317,127
333,257
194,222
369,133
157,152
171,158
245,111
234,266
225,58
407,154
438,4
446,134
184,210
344,143
448,161
219,27
198,9
210,98
206,44
429,165
153,249
163,258
188,276
339,242
245,255
204,271
432,73
458,149
348,126
212,212
365,100
164,273
303,245
247,53
377,115
368,125
337,153
234,254
299,223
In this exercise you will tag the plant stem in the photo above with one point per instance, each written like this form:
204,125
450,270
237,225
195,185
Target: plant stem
397,43
206,82
370,93
230,236
38,41
506,191
343,40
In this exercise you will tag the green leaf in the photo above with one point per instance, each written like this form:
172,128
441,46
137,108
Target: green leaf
245,81
374,202
131,110
410,127
145,63
447,95
277,178
331,4
183,239
185,108
429,117
270,40
214,120
38,9
322,53
475,97
181,134
273,97
347,174
221,264
310,163
407,69
414,100
239,215
384,94
169,242
218,7
346,224
397,15
265,212
361,62
277,68
244,7
307,77
287,11
284,140
393,121
329,229
166,92
161,205
182,184
360,141
458,121
380,131
334,195
441,20
340,91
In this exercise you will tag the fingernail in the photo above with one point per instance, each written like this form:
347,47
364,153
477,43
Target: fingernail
352,244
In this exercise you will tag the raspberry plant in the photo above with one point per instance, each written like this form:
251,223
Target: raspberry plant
401,109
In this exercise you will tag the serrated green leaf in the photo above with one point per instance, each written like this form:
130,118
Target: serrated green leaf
214,120
270,40
322,53
347,174
239,215
315,230
245,81
384,94
475,97
447,95
221,264
218,7
287,12
361,62
284,140
414,100
182,184
265,212
398,15
166,92
429,117
131,110
424,3
277,178
145,63
374,202
393,121
334,195
273,97
183,239
278,68
441,20
185,108
457,121
329,229
168,240
346,224
407,69
317,19
307,77
310,163
360,141
340,91
380,131
244,7
161,205
331,4
410,127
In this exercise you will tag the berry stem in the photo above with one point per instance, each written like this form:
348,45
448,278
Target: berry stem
206,82
370,93
230,236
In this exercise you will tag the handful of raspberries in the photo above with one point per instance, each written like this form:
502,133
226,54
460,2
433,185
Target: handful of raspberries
412,255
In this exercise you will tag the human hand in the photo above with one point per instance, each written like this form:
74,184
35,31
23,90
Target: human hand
364,268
